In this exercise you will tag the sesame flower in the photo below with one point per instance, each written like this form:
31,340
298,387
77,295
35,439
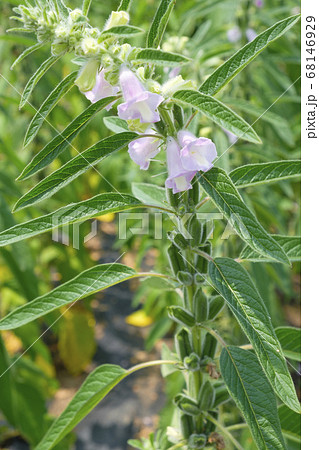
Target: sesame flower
101,89
179,179
196,153
144,149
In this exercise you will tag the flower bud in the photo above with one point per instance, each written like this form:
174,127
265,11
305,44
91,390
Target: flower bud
117,18
87,76
90,46
192,362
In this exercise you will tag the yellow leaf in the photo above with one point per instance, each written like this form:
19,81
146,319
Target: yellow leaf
139,319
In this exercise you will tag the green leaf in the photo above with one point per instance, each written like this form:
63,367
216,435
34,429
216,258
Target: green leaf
290,244
227,71
234,284
253,395
60,142
115,124
159,23
159,57
47,106
290,423
76,212
45,66
121,31
150,193
97,385
86,6
124,5
75,167
290,340
253,174
218,113
27,52
220,188
86,283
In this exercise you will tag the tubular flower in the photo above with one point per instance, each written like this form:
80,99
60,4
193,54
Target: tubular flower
142,150
179,178
139,103
101,89
196,153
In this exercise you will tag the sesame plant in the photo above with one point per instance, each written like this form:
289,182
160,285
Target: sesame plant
153,109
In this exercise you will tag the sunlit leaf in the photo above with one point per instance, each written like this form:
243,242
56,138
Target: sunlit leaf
159,23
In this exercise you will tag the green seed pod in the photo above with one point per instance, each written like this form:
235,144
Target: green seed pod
187,425
192,362
202,262
178,115
221,396
182,343
161,127
194,193
200,306
176,259
187,405
173,199
195,229
179,314
206,396
184,278
180,241
197,441
210,426
209,346
216,304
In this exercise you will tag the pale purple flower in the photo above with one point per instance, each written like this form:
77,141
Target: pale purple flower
139,103
142,150
250,34
231,136
101,89
259,3
234,34
179,178
196,153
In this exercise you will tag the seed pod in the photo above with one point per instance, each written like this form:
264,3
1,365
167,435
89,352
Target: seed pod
200,306
202,262
195,229
184,278
216,304
173,199
178,115
192,362
182,344
209,346
206,396
180,241
197,441
187,425
175,258
221,396
187,405
210,426
180,315
194,193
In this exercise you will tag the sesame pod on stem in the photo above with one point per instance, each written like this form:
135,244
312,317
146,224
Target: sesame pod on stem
194,193
221,396
175,258
195,229
178,115
200,306
206,396
186,404
180,315
209,346
173,199
187,425
182,343
180,241
216,304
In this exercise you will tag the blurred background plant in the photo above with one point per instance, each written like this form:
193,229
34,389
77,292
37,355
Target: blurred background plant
266,94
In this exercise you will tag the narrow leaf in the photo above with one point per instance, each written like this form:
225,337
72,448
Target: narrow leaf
75,167
160,57
290,423
150,193
290,244
253,395
159,23
61,89
27,52
218,113
86,283
45,66
290,340
227,71
60,142
86,7
76,212
234,284
121,31
115,124
220,188
124,5
253,174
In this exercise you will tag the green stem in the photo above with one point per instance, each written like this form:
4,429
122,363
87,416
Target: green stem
168,121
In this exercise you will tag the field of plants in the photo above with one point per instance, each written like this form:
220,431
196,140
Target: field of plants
150,224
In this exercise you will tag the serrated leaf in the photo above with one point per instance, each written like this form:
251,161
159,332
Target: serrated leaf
121,31
290,423
27,52
290,244
159,23
115,124
150,193
253,395
75,167
218,113
234,284
77,212
61,89
60,142
227,71
97,385
220,188
45,66
290,340
159,57
253,174
86,283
